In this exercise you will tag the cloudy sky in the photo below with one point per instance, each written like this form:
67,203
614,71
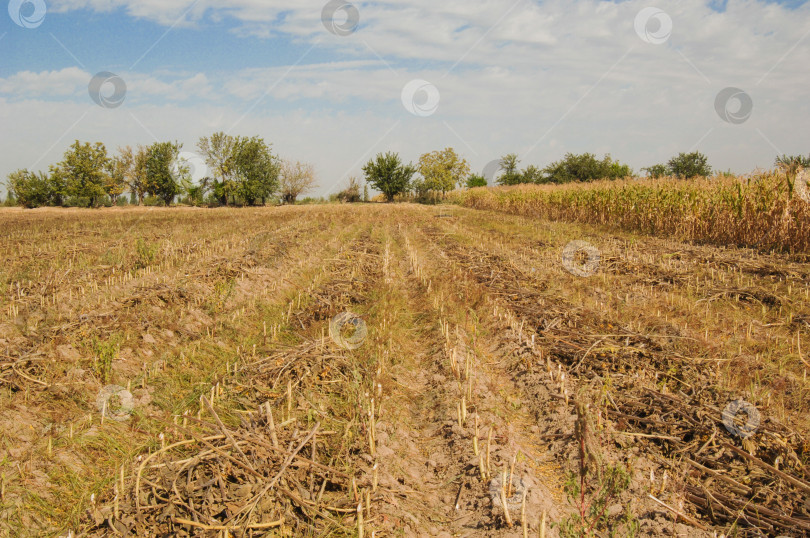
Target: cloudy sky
334,83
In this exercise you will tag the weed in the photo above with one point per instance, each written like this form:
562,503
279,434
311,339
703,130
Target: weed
595,486
104,352
146,253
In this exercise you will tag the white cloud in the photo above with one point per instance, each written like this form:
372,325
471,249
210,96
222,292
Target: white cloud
548,77
26,84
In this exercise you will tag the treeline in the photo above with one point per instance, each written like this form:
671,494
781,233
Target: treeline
587,167
242,171
441,171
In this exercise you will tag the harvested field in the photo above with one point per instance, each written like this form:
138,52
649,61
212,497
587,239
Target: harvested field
396,369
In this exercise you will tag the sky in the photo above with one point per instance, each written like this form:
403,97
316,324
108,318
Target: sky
334,83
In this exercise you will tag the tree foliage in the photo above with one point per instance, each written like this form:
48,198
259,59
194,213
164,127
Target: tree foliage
30,189
217,150
584,167
387,174
244,168
532,174
689,165
510,175
657,171
443,170
162,178
683,166
115,182
84,171
476,180
132,164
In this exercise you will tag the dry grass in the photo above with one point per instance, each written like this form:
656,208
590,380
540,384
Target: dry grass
478,340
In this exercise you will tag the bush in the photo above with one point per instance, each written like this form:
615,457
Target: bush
476,180
351,194
309,200
30,189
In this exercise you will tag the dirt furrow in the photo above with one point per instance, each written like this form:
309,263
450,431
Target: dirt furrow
649,448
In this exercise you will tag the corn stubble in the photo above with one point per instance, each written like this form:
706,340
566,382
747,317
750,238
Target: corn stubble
249,419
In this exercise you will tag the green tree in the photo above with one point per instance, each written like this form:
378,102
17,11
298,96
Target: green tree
443,170
532,174
585,167
387,174
132,163
617,170
422,191
254,169
657,171
689,165
218,152
242,167
115,183
162,178
29,188
57,186
476,180
511,175
84,170
11,201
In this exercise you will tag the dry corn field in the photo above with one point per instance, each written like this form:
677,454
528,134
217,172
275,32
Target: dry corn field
394,370
768,210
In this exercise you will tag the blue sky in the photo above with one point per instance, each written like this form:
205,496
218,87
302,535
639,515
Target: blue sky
637,80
